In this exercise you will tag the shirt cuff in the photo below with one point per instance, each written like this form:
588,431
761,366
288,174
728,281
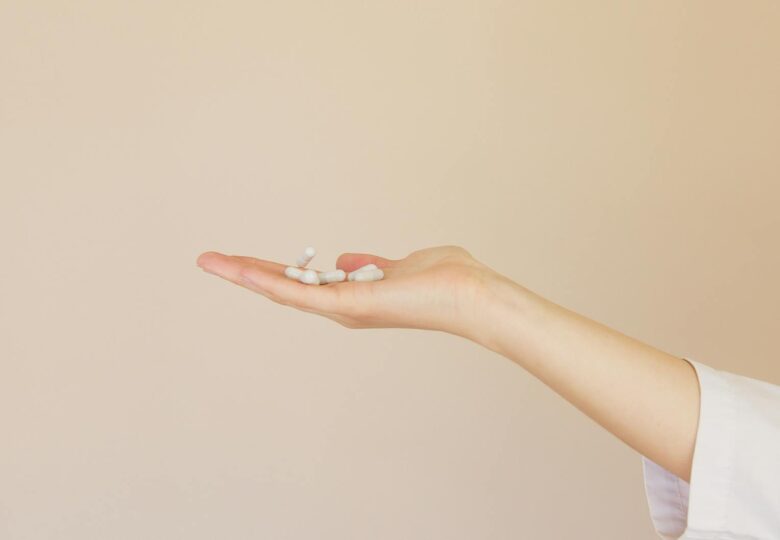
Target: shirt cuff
667,497
699,508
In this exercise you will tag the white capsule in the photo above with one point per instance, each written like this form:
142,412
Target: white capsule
308,255
374,274
292,272
309,277
351,275
333,276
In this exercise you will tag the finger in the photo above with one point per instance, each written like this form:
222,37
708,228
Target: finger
213,261
352,261
267,278
269,265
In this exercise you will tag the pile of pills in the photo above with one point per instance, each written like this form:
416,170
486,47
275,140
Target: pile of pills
369,272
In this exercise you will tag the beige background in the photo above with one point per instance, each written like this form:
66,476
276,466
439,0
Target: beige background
618,158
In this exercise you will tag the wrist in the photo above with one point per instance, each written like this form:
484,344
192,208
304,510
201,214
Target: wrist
496,308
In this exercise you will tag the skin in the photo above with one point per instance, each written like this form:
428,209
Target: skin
647,398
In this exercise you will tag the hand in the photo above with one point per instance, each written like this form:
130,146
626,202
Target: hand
438,288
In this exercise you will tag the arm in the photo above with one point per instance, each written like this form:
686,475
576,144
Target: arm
647,398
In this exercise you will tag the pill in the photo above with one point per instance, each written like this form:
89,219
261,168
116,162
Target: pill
308,255
309,277
292,272
351,275
374,274
332,276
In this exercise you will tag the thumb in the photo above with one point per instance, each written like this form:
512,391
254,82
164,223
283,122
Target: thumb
352,261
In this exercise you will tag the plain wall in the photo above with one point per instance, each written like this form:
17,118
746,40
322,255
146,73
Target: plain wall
618,158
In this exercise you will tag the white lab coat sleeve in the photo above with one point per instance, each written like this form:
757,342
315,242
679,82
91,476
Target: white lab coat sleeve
734,491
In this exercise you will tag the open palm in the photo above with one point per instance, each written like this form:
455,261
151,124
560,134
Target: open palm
435,288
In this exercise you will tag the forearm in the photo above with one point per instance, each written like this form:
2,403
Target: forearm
647,398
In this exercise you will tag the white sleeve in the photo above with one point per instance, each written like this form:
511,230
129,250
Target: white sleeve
735,477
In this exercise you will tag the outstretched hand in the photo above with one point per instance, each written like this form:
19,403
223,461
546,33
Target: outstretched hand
438,288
